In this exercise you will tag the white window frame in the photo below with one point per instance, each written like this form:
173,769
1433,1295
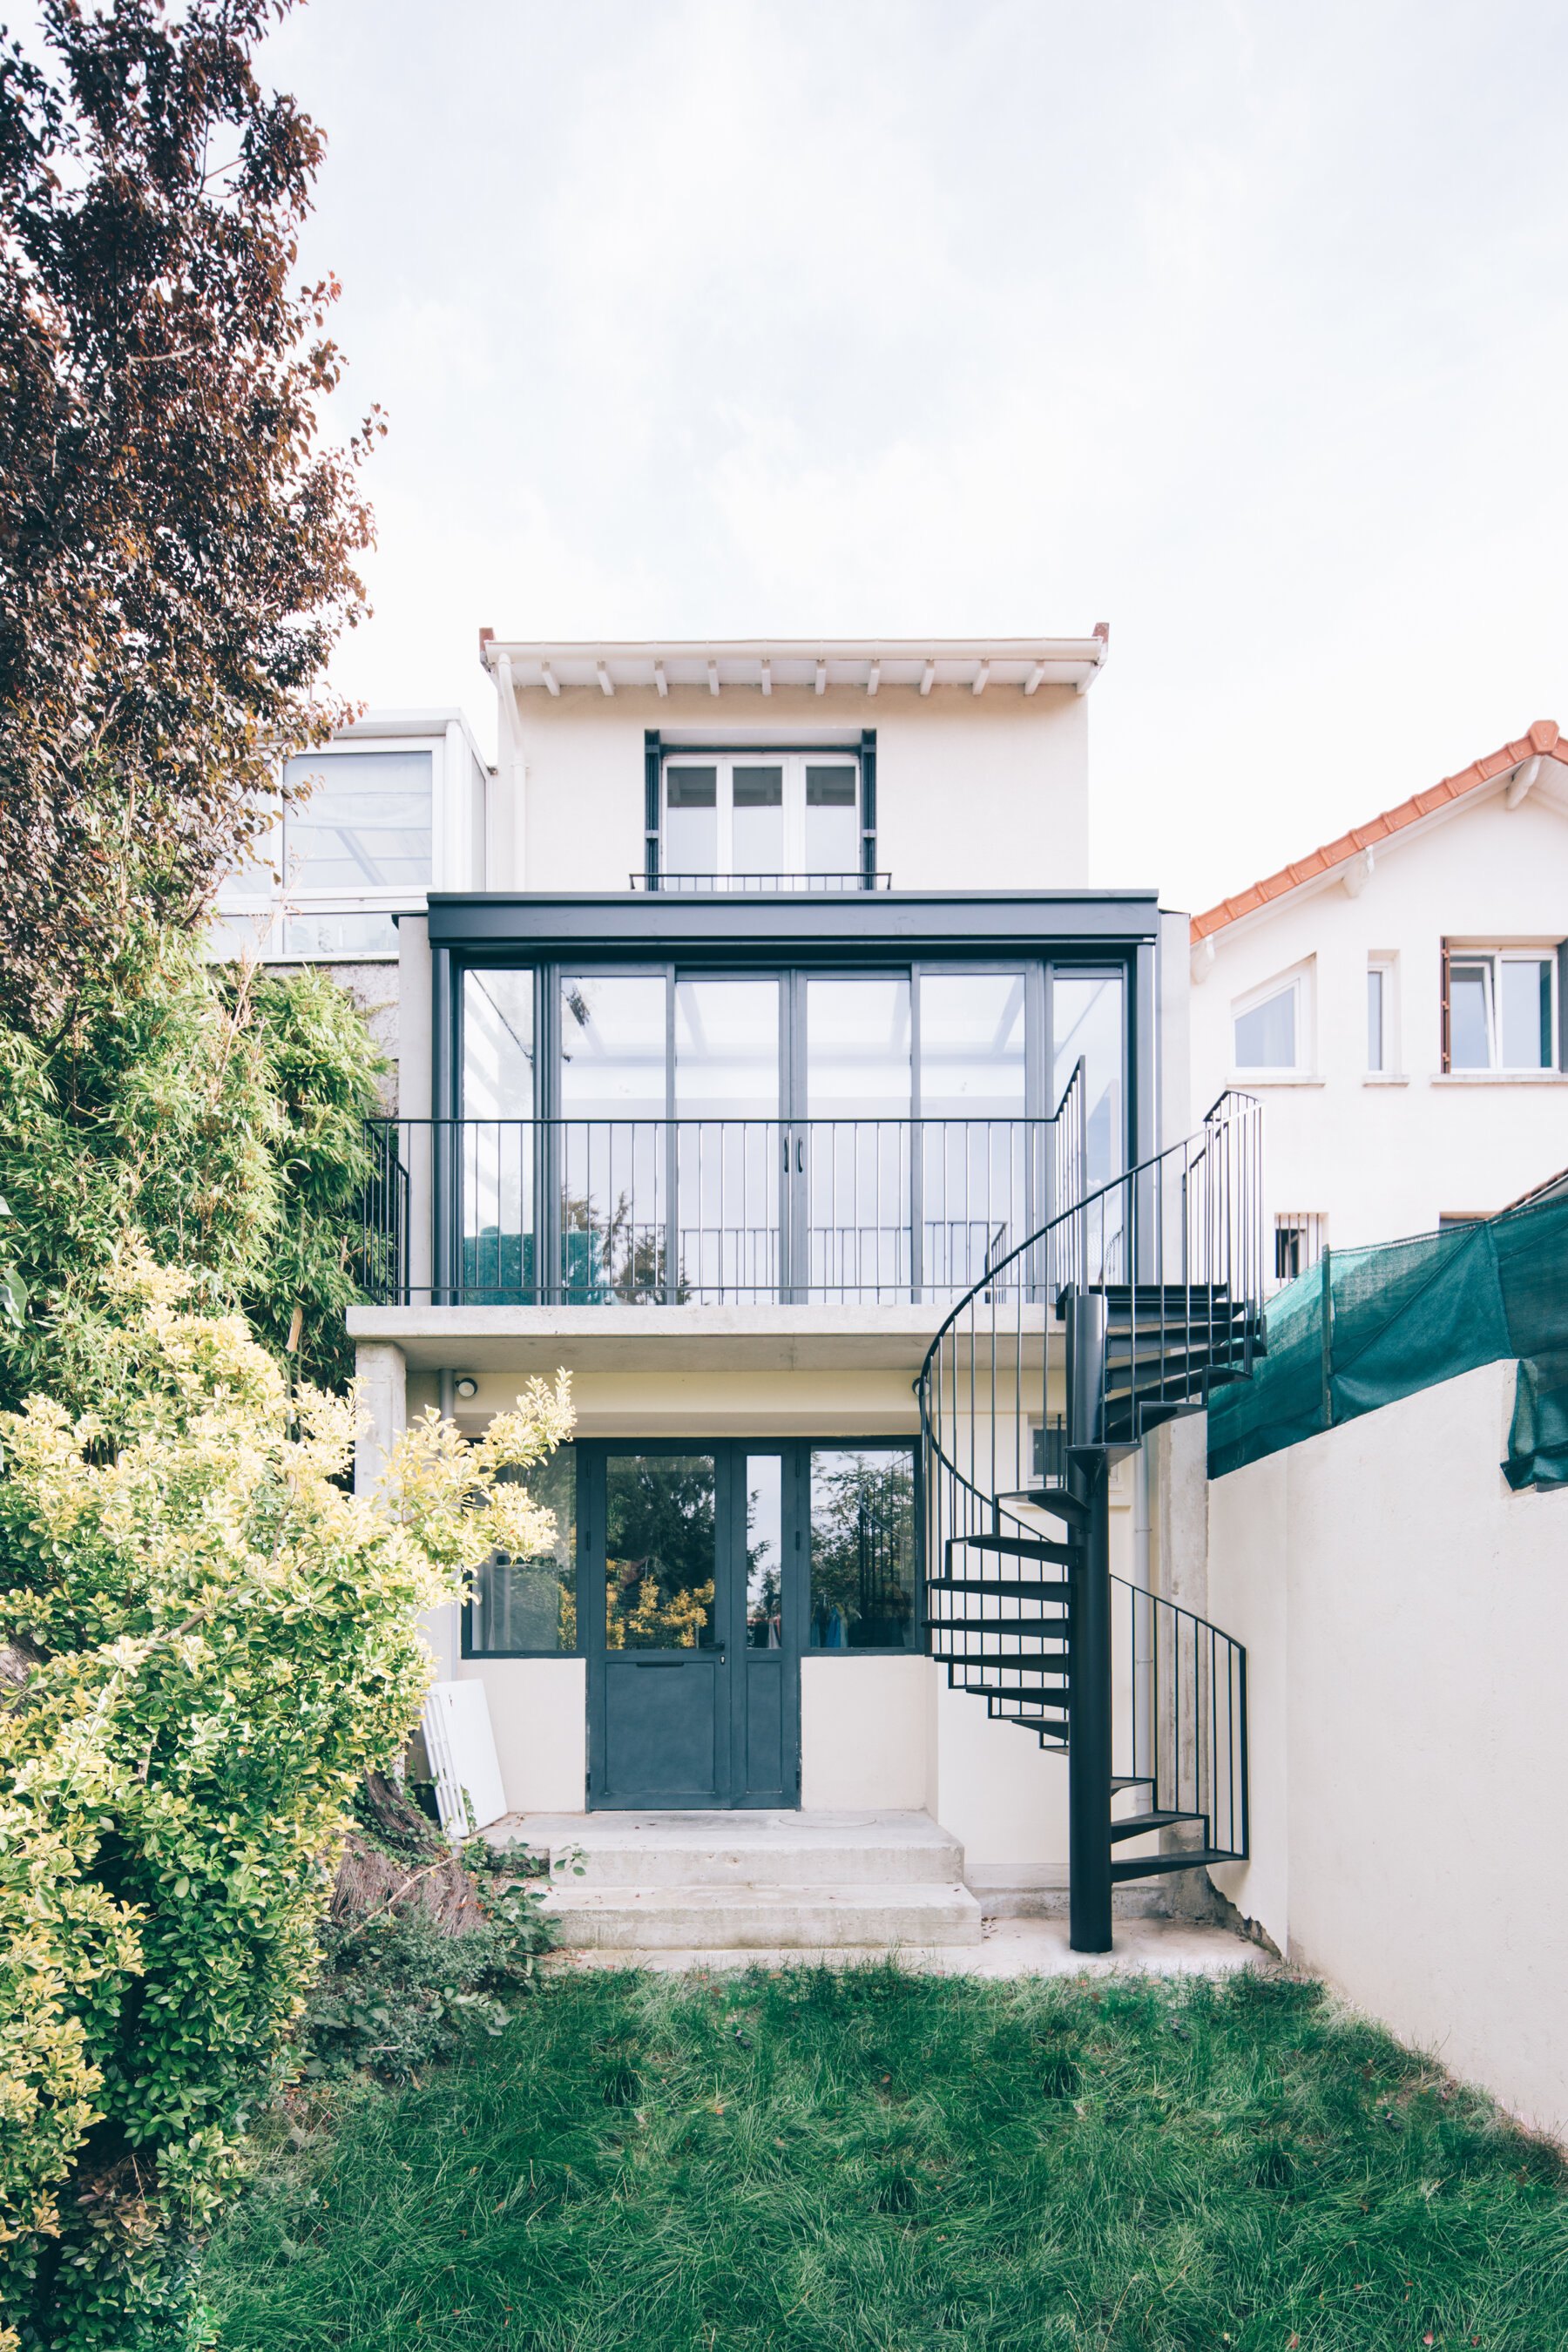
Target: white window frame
1299,979
1492,953
1385,961
761,755
266,915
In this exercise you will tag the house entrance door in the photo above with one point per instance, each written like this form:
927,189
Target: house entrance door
694,1650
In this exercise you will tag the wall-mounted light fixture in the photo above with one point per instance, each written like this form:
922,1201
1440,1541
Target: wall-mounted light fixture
467,1389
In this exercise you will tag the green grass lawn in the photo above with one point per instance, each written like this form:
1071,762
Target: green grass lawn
816,2158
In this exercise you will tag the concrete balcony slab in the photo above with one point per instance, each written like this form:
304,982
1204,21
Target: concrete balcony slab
661,1339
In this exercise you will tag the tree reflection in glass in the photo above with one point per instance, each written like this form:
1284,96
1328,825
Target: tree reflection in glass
660,1551
862,1549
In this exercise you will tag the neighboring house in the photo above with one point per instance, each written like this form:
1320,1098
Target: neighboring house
399,807
1397,999
781,1015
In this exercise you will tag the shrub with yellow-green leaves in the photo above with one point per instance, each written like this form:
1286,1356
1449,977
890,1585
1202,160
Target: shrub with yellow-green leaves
210,1643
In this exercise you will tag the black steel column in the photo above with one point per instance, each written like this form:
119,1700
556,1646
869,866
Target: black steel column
444,1131
1089,1712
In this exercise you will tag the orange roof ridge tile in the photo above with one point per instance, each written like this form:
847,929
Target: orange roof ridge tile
1542,738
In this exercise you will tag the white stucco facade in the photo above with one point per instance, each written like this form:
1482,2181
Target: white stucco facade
1406,1614
1379,1153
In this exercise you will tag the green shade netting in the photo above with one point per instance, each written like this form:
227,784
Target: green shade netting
1367,1325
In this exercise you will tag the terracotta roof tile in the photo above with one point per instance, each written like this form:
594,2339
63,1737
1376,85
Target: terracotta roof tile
1542,738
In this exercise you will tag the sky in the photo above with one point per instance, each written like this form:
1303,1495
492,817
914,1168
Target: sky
1242,328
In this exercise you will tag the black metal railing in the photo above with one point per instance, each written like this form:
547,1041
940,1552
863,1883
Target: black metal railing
709,1212
1179,1718
762,882
1125,1308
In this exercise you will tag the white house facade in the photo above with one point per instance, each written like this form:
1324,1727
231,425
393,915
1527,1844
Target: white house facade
752,1016
1397,1000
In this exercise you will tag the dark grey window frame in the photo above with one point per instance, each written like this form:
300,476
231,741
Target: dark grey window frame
591,1453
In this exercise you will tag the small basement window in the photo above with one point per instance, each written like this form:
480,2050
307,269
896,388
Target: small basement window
1301,1237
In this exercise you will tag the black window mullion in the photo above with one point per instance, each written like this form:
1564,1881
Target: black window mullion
652,773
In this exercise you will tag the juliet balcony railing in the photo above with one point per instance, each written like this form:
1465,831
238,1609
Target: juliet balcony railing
687,884
712,1212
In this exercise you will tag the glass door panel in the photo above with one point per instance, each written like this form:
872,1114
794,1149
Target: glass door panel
1087,1024
729,1148
693,1668
852,1166
614,1136
832,818
666,1689
978,1187
496,1141
757,820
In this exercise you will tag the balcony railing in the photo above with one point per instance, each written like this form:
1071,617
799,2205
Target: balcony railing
492,1213
727,883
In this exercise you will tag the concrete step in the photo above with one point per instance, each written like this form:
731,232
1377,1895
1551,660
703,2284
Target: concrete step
659,1850
814,1918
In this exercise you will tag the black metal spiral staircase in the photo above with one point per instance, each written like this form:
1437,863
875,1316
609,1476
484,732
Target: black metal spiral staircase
1123,1311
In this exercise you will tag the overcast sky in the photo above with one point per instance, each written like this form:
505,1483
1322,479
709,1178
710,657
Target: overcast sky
1241,327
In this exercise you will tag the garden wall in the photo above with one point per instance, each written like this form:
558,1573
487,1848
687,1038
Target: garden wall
1406,1622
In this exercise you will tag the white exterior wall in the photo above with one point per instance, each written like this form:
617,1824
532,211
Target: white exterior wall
971,793
1385,1157
1406,1617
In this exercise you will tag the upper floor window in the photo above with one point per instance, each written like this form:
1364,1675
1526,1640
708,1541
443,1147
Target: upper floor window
338,862
1500,1008
773,817
1270,1026
365,826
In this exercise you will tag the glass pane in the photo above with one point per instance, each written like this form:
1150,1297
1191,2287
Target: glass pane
1470,1028
857,1048
498,1044
1087,1021
972,1046
660,1551
727,1048
757,820
1374,1020
764,1552
496,1141
1526,1013
863,1550
366,826
1265,1038
690,820
532,1604
613,1144
340,935
832,820
858,1242
727,1077
613,1046
972,1143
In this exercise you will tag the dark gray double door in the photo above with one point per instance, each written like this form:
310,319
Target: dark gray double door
693,1580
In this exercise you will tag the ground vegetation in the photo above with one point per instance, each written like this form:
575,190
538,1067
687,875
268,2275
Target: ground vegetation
208,1644
813,2159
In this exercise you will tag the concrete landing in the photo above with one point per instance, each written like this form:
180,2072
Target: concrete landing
746,1882
1010,1949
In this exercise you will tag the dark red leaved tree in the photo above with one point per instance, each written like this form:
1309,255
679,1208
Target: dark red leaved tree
178,549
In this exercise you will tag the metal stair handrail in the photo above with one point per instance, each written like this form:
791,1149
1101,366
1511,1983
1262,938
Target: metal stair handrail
1034,1260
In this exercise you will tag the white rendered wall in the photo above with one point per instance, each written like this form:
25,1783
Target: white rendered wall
863,1732
539,1714
1406,1617
971,793
1385,1157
